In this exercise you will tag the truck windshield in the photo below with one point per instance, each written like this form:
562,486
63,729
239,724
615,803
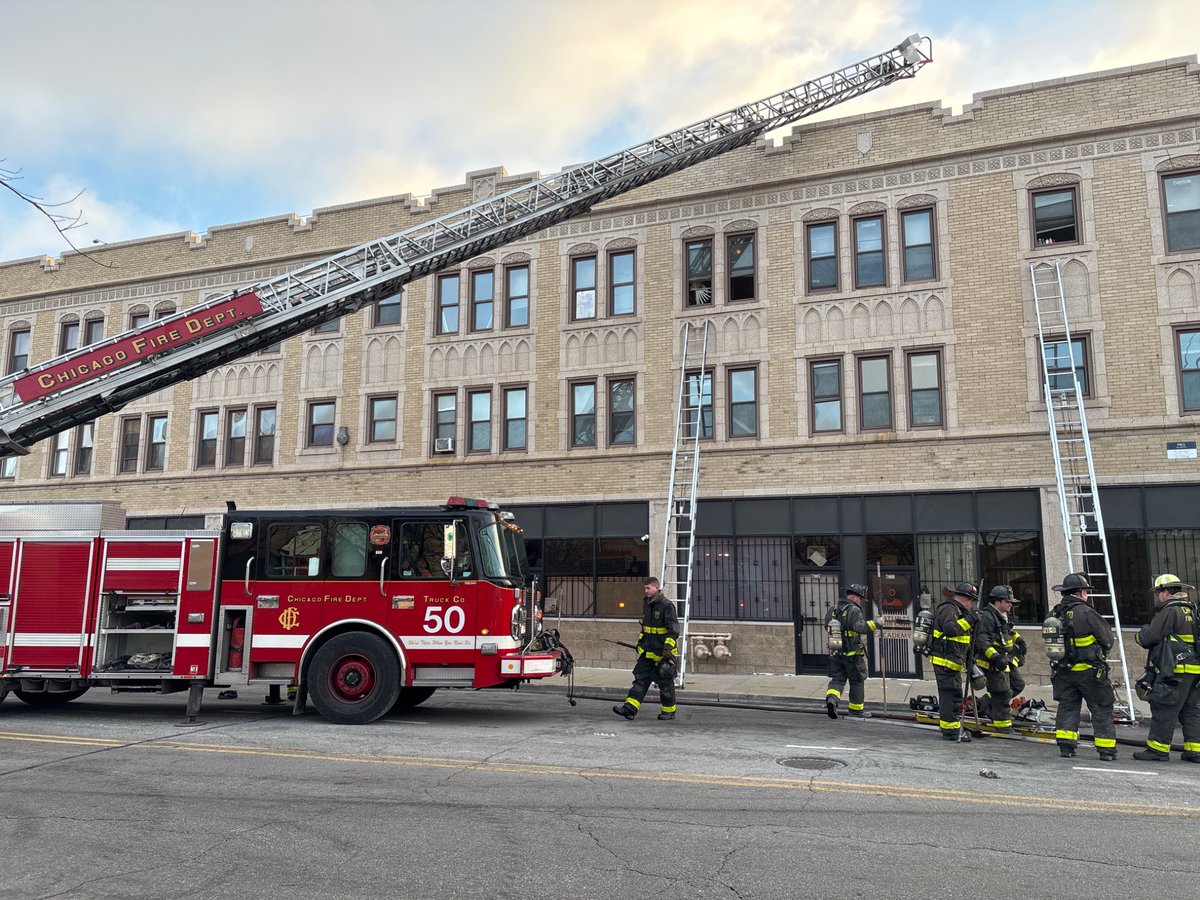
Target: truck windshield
502,552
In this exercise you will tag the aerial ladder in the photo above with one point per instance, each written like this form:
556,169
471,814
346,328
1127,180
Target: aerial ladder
1074,467
60,393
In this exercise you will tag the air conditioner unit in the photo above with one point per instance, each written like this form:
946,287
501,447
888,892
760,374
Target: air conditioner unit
443,445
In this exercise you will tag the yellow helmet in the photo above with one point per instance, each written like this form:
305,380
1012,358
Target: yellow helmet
1169,583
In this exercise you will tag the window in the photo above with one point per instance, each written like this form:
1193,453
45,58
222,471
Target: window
387,310
822,256
295,550
1054,217
621,411
163,310
1059,358
18,351
483,296
1187,345
68,337
139,319
421,549
743,403
8,467
1181,199
583,287
320,423
447,302
516,296
445,421
383,419
93,331
264,435
925,389
333,326
515,402
739,257
698,262
826,380
874,393
916,231
621,293
206,443
480,409
698,414
131,436
156,446
868,252
84,445
583,414
60,454
235,437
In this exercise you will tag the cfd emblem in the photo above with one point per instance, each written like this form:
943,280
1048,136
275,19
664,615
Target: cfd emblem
289,618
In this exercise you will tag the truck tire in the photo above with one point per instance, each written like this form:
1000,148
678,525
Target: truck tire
412,696
354,679
47,698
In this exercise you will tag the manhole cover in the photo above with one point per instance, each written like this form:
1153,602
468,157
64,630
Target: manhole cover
811,763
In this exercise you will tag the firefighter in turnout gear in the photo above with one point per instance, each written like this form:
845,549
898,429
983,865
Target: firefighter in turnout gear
997,655
1082,674
1171,637
848,660
656,654
953,622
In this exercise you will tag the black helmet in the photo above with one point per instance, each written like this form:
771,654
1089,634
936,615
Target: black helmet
666,669
860,589
966,589
1073,584
1001,592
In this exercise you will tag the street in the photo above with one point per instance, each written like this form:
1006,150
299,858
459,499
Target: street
494,794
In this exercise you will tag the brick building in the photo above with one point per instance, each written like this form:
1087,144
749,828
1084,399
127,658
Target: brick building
874,406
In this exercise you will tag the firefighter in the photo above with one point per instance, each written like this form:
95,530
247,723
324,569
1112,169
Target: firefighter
656,654
1170,639
1082,674
848,662
996,654
953,622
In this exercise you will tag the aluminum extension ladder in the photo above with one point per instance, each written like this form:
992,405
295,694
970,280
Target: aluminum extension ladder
1074,468
691,424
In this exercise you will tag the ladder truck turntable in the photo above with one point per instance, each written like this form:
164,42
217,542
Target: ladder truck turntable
356,645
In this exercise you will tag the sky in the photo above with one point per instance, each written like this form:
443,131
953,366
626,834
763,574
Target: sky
176,117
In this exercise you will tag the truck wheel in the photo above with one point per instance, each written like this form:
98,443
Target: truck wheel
412,696
46,698
354,679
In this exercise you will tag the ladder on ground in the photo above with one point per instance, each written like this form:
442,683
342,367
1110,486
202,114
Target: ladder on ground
693,421
1074,468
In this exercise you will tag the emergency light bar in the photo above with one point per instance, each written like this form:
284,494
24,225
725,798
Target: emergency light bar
468,503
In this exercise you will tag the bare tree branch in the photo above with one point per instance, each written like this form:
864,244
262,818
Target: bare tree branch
62,221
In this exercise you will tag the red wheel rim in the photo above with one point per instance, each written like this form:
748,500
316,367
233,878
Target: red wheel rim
352,678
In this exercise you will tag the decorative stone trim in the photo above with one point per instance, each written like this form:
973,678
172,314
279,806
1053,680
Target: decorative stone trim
699,231
1056,180
1191,161
871,206
916,200
820,215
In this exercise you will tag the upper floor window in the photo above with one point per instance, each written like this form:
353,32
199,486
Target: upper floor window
68,337
925,389
18,350
916,232
447,304
874,393
131,438
583,287
93,331
320,423
698,413
1181,199
445,422
621,294
206,439
515,424
1054,217
825,379
264,435
583,414
739,255
743,403
139,319
60,455
483,298
868,252
699,264
387,310
156,446
383,420
479,405
8,467
84,445
621,411
1187,345
821,240
333,326
235,437
516,296
1060,357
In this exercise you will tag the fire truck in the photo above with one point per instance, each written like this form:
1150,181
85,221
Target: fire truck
364,611
359,609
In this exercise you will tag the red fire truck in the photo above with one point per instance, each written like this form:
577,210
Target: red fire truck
362,611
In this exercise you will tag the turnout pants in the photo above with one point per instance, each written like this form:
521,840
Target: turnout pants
1071,689
1180,704
645,671
847,668
950,698
1000,692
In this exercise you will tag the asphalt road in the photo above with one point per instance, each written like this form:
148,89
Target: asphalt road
495,795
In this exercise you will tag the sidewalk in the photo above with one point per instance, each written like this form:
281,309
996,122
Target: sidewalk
798,693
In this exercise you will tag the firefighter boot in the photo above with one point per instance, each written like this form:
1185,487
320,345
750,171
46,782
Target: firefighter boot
831,706
859,714
1190,756
625,711
1107,755
1152,755
667,715
1066,751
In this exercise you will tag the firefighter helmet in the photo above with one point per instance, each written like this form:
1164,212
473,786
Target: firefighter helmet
1001,592
860,589
966,589
666,669
1169,583
1073,584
